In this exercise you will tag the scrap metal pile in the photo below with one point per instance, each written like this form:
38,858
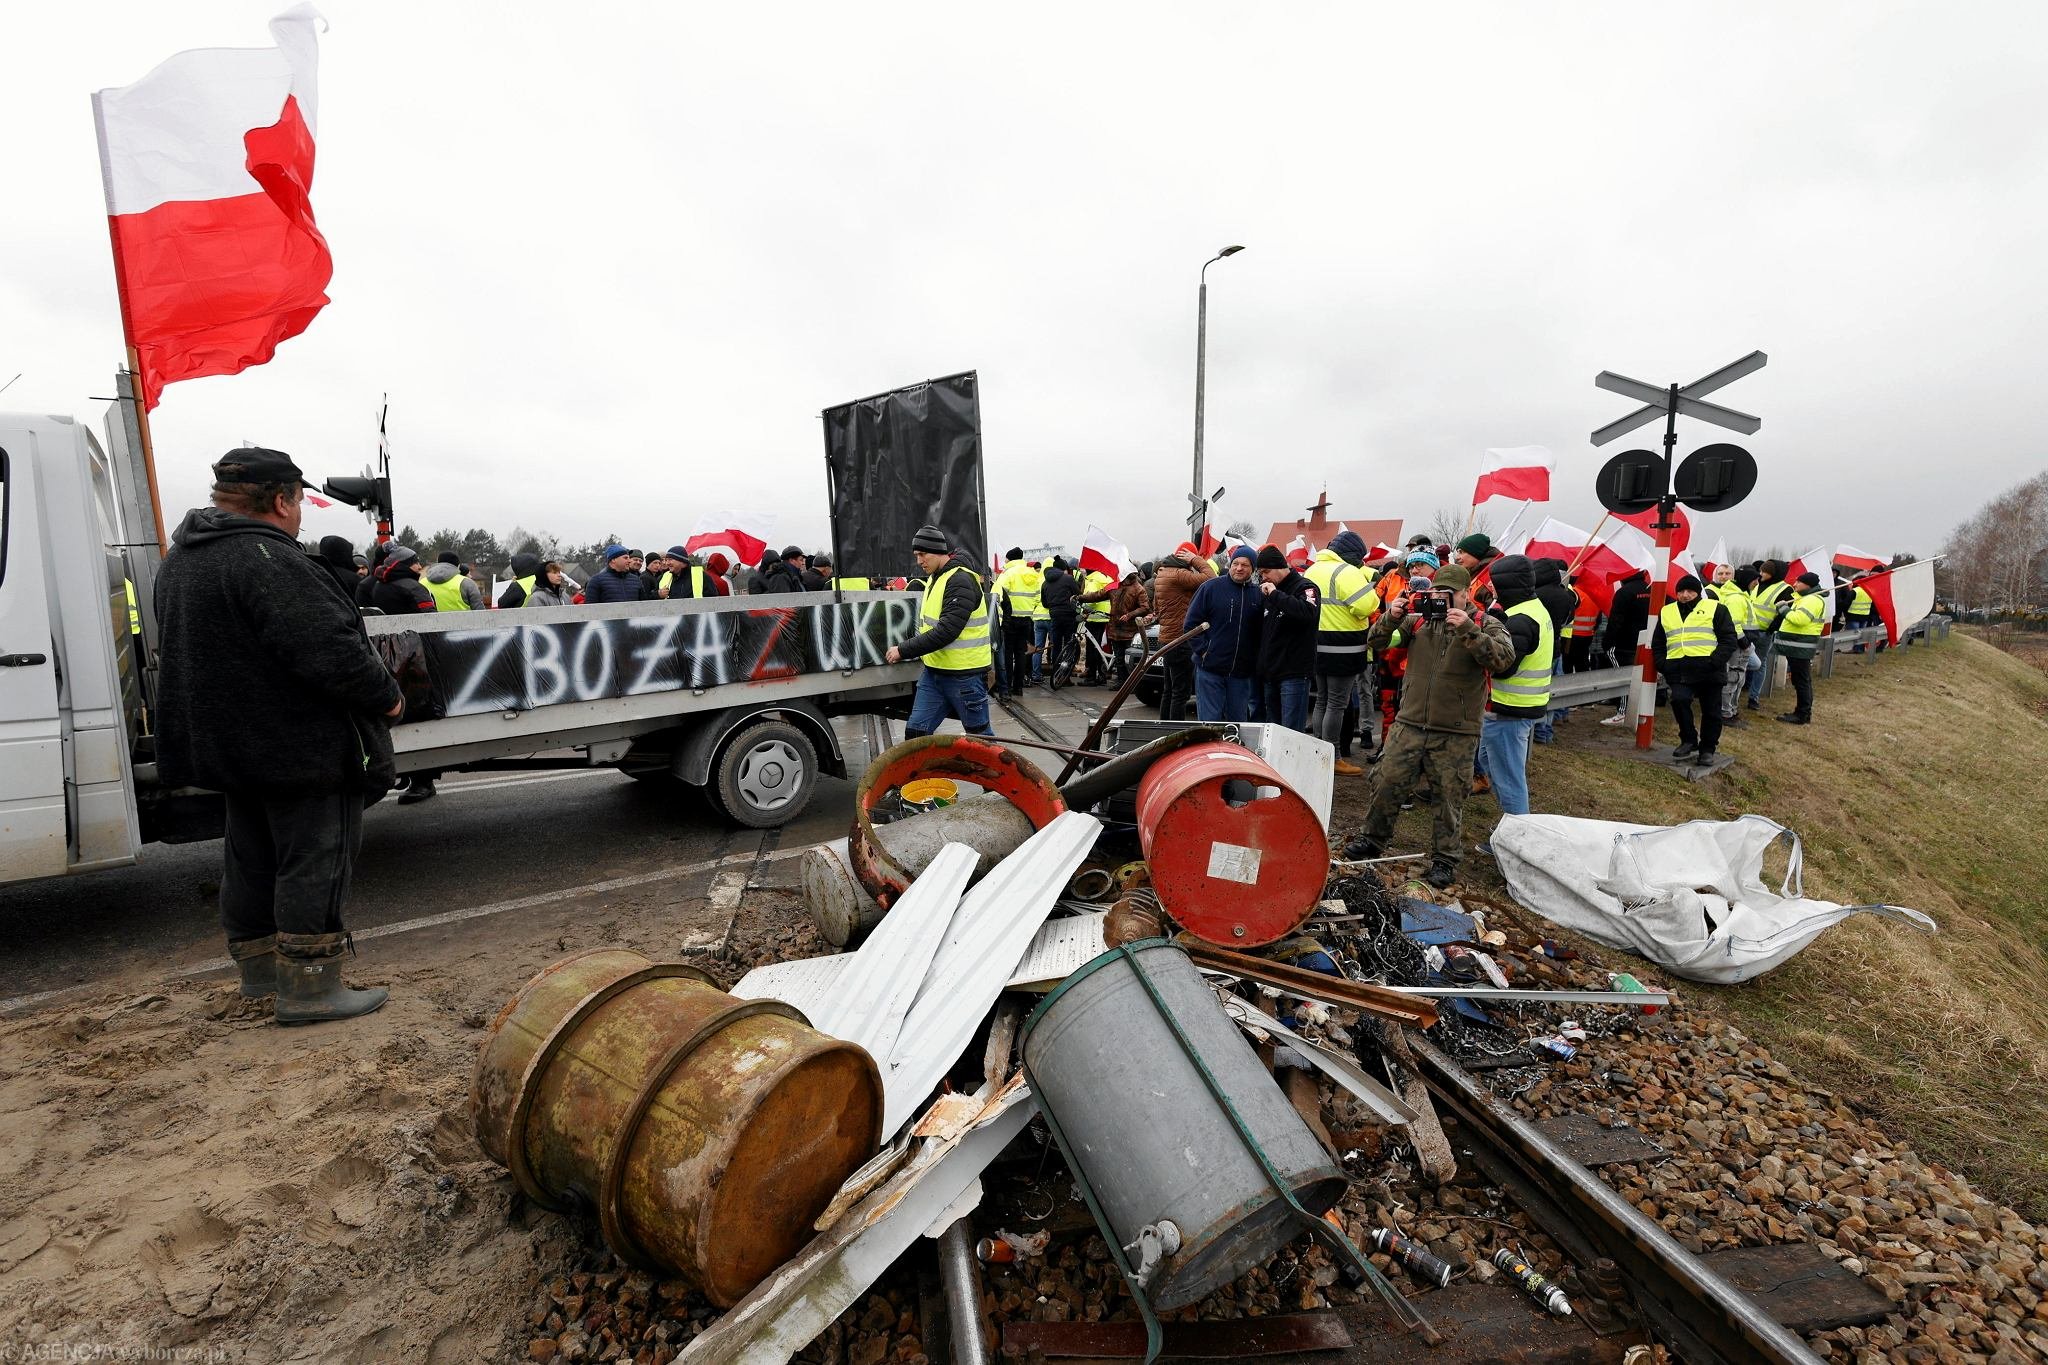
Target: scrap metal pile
1147,983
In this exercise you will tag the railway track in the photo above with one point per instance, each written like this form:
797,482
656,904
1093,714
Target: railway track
1676,1297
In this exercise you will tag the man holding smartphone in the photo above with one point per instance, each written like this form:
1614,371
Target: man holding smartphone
1453,653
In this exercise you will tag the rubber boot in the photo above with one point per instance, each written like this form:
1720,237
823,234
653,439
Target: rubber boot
309,987
257,960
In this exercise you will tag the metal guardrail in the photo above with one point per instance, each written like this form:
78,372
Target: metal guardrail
1613,684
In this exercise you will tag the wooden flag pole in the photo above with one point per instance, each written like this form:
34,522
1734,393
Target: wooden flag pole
1587,548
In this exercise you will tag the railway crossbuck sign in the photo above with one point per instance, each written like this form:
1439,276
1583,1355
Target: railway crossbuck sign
1714,479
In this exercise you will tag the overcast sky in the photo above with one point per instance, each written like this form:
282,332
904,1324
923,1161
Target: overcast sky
611,260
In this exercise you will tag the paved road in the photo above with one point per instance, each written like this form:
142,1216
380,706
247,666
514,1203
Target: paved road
487,839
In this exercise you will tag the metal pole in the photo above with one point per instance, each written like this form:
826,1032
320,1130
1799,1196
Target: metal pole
963,1296
1646,695
1201,378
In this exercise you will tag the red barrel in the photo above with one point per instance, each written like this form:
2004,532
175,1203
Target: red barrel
1237,856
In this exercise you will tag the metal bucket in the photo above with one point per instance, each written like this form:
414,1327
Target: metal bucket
1135,1113
1237,856
707,1132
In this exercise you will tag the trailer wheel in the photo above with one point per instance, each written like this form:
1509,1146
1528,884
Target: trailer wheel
766,775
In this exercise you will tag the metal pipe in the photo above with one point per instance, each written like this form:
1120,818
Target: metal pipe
1125,770
1088,741
1653,999
963,1297
1671,1284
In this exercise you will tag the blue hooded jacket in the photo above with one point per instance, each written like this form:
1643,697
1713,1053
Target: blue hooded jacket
1231,644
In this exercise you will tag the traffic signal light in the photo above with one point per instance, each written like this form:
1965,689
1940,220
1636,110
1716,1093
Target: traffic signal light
373,495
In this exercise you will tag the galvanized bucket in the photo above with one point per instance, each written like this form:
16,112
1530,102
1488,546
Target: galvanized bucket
1169,1115
707,1132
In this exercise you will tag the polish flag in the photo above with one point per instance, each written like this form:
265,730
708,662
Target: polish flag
316,499
1209,545
746,534
1554,540
208,170
1623,553
1100,554
1851,557
1646,522
1519,472
1381,551
1298,543
1902,596
1714,560
1681,567
1816,561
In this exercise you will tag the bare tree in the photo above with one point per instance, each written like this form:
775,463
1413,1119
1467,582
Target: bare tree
1242,529
1446,525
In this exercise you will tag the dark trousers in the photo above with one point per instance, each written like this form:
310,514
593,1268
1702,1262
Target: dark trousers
287,862
1578,655
1704,690
1286,701
1801,673
1017,652
1066,626
1180,685
1092,659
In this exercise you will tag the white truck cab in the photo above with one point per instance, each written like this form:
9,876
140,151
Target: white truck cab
70,685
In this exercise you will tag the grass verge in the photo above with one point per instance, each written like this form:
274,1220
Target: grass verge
1923,782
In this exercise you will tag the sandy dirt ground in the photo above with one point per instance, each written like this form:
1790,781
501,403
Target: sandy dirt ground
178,1172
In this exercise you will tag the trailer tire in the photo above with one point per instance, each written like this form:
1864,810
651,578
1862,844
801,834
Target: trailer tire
766,774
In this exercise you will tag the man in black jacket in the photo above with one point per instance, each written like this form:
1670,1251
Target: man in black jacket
1289,611
338,558
399,591
268,692
617,581
1694,641
1627,615
1061,596
785,574
953,622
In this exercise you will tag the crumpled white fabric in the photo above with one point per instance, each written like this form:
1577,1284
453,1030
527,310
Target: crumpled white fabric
1689,897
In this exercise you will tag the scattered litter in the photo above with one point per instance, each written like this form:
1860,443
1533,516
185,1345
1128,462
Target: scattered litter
1535,1285
1421,1263
1006,1247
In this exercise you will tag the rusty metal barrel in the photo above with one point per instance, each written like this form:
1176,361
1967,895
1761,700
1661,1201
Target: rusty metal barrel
1237,856
705,1131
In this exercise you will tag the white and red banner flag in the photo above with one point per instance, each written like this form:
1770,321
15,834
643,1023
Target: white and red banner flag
1902,596
208,170
746,534
1817,562
1100,554
1517,472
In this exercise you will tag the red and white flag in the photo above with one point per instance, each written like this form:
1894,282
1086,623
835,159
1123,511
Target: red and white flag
746,534
1646,522
1681,567
316,499
1100,554
1817,562
208,169
1518,472
1381,551
1714,560
1902,596
1849,557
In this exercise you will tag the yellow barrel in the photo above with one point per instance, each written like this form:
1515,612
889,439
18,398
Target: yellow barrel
707,1132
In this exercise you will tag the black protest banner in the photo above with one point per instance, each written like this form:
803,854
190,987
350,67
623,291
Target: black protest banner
556,659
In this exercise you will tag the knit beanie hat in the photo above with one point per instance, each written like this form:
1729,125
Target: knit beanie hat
1270,558
1424,558
1348,545
1245,552
1687,584
1477,545
1014,555
1809,580
931,540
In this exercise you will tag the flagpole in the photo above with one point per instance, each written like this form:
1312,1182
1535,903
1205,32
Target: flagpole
1587,548
1515,521
137,397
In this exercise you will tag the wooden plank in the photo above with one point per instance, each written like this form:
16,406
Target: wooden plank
1591,1143
1800,1285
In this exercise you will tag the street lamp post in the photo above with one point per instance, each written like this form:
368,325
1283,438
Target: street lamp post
1198,514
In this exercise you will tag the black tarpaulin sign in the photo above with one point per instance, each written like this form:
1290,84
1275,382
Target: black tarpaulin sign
898,461
556,658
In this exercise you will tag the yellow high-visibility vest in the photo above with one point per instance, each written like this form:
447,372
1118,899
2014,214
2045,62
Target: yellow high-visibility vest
1529,684
970,652
1764,601
1741,610
852,583
1096,581
1019,585
1348,602
134,611
447,596
666,583
1861,608
1807,616
1689,634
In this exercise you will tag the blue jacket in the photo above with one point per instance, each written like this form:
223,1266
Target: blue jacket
606,586
1231,644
